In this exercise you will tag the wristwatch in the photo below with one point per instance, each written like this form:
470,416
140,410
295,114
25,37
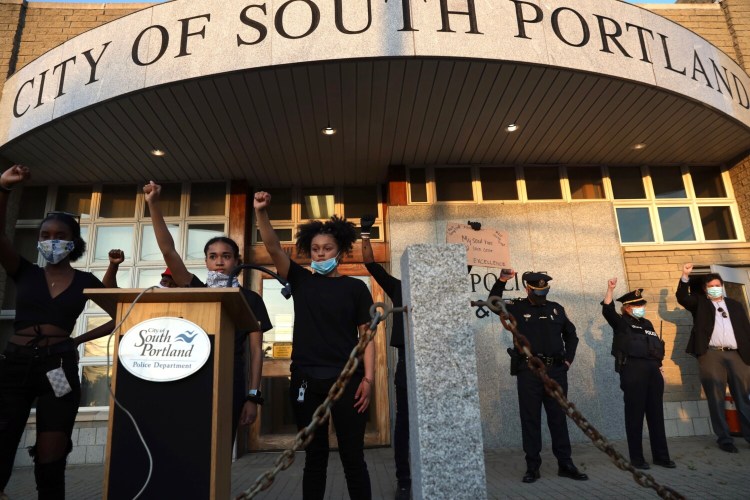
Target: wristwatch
254,396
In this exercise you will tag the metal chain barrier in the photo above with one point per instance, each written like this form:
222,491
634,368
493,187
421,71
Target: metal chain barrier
323,412
497,305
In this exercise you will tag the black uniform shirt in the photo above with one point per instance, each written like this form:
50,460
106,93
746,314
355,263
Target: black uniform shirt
545,325
392,287
632,336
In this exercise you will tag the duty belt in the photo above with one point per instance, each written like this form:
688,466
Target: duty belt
551,360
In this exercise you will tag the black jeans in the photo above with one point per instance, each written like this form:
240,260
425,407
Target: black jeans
23,378
350,432
401,432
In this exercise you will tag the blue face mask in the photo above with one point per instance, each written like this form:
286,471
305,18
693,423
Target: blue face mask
540,293
325,266
715,292
638,312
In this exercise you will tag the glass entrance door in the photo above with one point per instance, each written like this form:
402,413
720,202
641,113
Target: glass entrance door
736,284
275,427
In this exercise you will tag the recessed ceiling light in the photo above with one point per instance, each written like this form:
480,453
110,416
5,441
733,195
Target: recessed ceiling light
512,127
328,130
158,152
639,146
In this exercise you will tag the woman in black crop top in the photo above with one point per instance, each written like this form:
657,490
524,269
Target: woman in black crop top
222,255
40,360
331,311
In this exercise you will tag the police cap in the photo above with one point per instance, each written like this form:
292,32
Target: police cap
633,298
536,280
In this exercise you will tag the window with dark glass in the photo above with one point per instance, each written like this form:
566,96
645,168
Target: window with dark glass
169,201
281,205
676,224
635,225
33,203
118,202
498,183
708,182
543,183
453,184
717,223
75,200
359,201
667,182
418,185
586,183
627,183
208,198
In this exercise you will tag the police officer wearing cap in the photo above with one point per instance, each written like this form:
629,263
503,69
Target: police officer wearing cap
638,352
553,339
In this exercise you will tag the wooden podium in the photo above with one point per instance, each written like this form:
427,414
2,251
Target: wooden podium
186,423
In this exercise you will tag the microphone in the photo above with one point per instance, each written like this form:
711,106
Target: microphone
286,290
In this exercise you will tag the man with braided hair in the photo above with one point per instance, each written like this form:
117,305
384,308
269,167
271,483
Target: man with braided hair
553,339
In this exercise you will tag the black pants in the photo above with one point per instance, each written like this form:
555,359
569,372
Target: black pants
531,397
717,368
642,387
23,378
350,432
401,432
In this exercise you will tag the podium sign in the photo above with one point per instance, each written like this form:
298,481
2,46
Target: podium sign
164,349
186,422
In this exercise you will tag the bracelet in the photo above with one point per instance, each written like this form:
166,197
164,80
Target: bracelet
365,379
365,236
254,399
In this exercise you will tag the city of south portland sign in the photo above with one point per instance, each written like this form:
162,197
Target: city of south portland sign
184,40
164,349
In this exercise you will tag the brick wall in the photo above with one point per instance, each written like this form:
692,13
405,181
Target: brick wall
10,13
707,20
740,175
658,272
737,15
50,24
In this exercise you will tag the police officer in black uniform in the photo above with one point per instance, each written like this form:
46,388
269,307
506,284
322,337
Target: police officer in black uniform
553,338
638,352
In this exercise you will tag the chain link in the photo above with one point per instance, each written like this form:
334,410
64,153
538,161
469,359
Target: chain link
497,305
323,412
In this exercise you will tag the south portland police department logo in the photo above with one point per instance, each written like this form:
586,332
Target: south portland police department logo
164,349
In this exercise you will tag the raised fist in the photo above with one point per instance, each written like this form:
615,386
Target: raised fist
261,200
366,222
687,269
116,256
14,175
612,283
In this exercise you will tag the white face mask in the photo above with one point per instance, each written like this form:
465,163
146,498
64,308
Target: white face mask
219,280
55,251
638,312
715,292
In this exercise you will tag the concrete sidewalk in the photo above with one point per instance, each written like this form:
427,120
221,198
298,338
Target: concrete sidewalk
703,471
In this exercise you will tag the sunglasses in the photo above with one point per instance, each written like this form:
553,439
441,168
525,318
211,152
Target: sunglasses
723,312
75,217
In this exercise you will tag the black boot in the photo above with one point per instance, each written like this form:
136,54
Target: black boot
50,480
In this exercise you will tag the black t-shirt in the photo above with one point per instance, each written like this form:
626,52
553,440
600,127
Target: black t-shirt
327,313
35,305
392,287
256,304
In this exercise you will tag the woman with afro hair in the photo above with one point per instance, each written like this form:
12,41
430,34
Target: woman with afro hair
40,361
331,311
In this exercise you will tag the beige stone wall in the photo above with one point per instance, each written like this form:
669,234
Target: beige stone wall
48,25
740,175
707,20
658,272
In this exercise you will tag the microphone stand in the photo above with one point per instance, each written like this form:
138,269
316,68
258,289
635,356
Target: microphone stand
286,290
